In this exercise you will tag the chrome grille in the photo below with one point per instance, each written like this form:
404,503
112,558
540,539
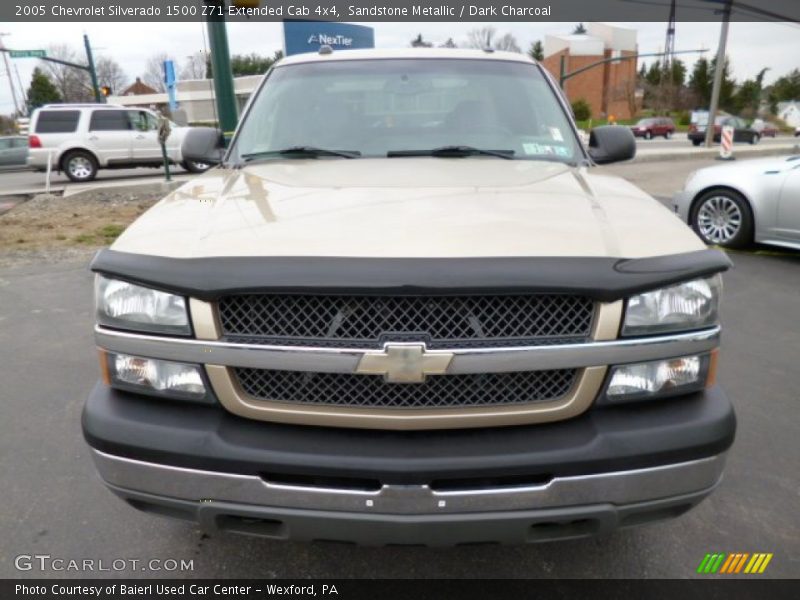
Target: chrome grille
439,321
440,391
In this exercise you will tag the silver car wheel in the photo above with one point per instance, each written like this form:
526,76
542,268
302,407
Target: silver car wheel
80,167
719,219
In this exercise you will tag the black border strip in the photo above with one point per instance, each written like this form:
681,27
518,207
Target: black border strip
600,278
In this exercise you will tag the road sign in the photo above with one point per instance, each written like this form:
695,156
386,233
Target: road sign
27,53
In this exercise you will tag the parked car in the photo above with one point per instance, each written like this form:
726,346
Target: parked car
741,132
407,310
653,127
733,205
765,128
80,139
13,151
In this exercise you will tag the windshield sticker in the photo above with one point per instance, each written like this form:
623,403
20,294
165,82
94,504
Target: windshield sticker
555,133
546,149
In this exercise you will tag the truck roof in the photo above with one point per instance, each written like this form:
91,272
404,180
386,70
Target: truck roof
415,53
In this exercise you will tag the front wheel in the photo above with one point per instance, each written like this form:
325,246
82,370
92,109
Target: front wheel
80,166
647,135
697,142
755,139
195,167
668,135
723,218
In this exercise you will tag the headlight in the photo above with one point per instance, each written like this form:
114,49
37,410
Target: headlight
128,306
690,305
660,378
154,377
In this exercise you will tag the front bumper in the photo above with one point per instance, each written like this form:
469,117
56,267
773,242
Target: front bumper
682,203
562,508
610,467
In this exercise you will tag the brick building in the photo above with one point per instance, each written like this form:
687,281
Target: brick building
610,89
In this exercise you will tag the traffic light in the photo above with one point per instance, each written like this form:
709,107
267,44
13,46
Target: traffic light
105,90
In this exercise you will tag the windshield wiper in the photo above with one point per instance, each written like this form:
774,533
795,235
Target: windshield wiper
301,152
453,151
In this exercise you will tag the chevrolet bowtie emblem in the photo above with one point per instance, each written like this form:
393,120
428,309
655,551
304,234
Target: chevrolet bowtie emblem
404,363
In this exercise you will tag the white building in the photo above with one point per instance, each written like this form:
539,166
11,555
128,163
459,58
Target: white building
195,96
789,113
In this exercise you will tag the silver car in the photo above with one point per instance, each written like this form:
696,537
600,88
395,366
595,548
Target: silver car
741,202
13,151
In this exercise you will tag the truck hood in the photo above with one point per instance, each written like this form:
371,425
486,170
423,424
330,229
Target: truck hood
407,207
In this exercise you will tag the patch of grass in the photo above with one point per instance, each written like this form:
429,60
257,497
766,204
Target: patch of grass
85,238
102,236
111,232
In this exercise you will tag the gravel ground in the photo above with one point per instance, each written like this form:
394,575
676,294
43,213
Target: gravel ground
49,228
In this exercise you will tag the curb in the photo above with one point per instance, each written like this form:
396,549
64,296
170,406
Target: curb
704,153
123,186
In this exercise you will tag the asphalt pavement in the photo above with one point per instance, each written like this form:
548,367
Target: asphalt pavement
54,504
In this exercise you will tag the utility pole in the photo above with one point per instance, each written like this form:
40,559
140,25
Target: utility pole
666,84
719,70
22,90
10,79
227,110
98,97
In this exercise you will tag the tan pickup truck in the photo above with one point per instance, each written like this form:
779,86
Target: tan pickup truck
405,308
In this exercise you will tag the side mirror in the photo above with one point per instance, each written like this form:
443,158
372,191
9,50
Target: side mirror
611,143
203,145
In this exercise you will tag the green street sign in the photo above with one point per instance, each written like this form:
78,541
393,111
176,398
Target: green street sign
27,53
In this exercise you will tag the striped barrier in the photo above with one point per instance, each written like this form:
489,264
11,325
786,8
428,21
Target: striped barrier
726,147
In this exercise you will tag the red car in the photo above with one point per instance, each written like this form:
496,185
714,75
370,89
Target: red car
767,130
654,126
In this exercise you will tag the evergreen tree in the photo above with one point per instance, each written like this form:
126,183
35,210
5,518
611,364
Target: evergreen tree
536,51
420,42
41,91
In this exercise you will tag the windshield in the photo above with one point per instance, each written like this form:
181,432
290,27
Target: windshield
380,108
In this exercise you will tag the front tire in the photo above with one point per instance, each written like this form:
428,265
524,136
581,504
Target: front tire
80,166
648,135
723,218
697,142
755,139
668,135
195,167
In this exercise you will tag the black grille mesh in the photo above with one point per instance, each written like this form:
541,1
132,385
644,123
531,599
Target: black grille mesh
438,391
440,321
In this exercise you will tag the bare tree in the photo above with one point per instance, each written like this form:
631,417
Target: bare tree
486,37
154,71
110,73
480,38
508,43
73,84
195,66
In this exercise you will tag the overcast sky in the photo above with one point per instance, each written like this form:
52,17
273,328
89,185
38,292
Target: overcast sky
751,46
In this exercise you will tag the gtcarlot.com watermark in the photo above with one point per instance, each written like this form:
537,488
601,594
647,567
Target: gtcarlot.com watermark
47,562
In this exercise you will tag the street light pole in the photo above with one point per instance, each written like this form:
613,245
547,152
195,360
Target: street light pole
98,97
719,71
10,78
221,69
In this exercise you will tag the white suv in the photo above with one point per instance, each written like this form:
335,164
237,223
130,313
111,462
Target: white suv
79,139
